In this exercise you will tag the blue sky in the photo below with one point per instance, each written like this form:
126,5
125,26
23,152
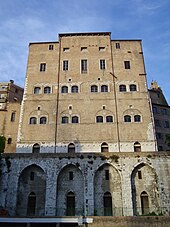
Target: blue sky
24,21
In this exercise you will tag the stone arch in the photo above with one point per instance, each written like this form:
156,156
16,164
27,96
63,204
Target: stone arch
70,179
144,179
31,180
107,179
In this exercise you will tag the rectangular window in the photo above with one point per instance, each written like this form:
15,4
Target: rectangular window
13,116
42,67
102,64
101,48
70,175
166,124
106,174
117,45
65,65
83,66
164,111
51,47
83,49
66,49
157,123
127,64
139,174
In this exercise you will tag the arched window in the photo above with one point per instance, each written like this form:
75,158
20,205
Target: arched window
47,90
104,147
107,204
75,119
64,89
99,119
70,204
144,203
74,89
64,120
31,204
43,120
133,87
37,90
122,88
104,88
137,147
71,148
94,88
127,118
36,148
109,119
137,118
33,120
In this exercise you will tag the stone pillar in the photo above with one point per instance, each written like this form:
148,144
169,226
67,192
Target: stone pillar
51,187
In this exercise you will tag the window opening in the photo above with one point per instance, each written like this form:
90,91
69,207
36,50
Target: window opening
42,67
51,47
31,205
64,120
9,141
71,148
139,174
107,203
64,89
33,120
104,88
37,90
83,66
137,147
43,120
32,176
74,89
127,118
137,118
70,175
102,64
75,119
106,174
117,45
13,116
65,65
94,88
70,204
104,147
127,64
99,119
47,90
36,148
133,87
122,88
109,119
144,203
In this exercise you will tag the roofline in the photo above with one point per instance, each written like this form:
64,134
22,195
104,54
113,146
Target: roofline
42,42
126,40
84,34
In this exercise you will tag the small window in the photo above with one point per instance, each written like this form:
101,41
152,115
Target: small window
104,88
66,49
94,88
122,88
137,118
39,108
65,65
137,147
75,119
74,89
71,148
127,118
83,49
83,66
70,175
47,90
64,120
104,107
102,64
43,120
32,176
106,174
101,48
13,116
64,89
37,90
36,148
139,174
166,124
164,111
99,119
104,147
155,110
70,107
42,67
9,141
157,123
133,87
109,119
33,120
51,47
117,45
127,64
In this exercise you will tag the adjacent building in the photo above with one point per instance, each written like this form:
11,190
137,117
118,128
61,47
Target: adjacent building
10,103
161,112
